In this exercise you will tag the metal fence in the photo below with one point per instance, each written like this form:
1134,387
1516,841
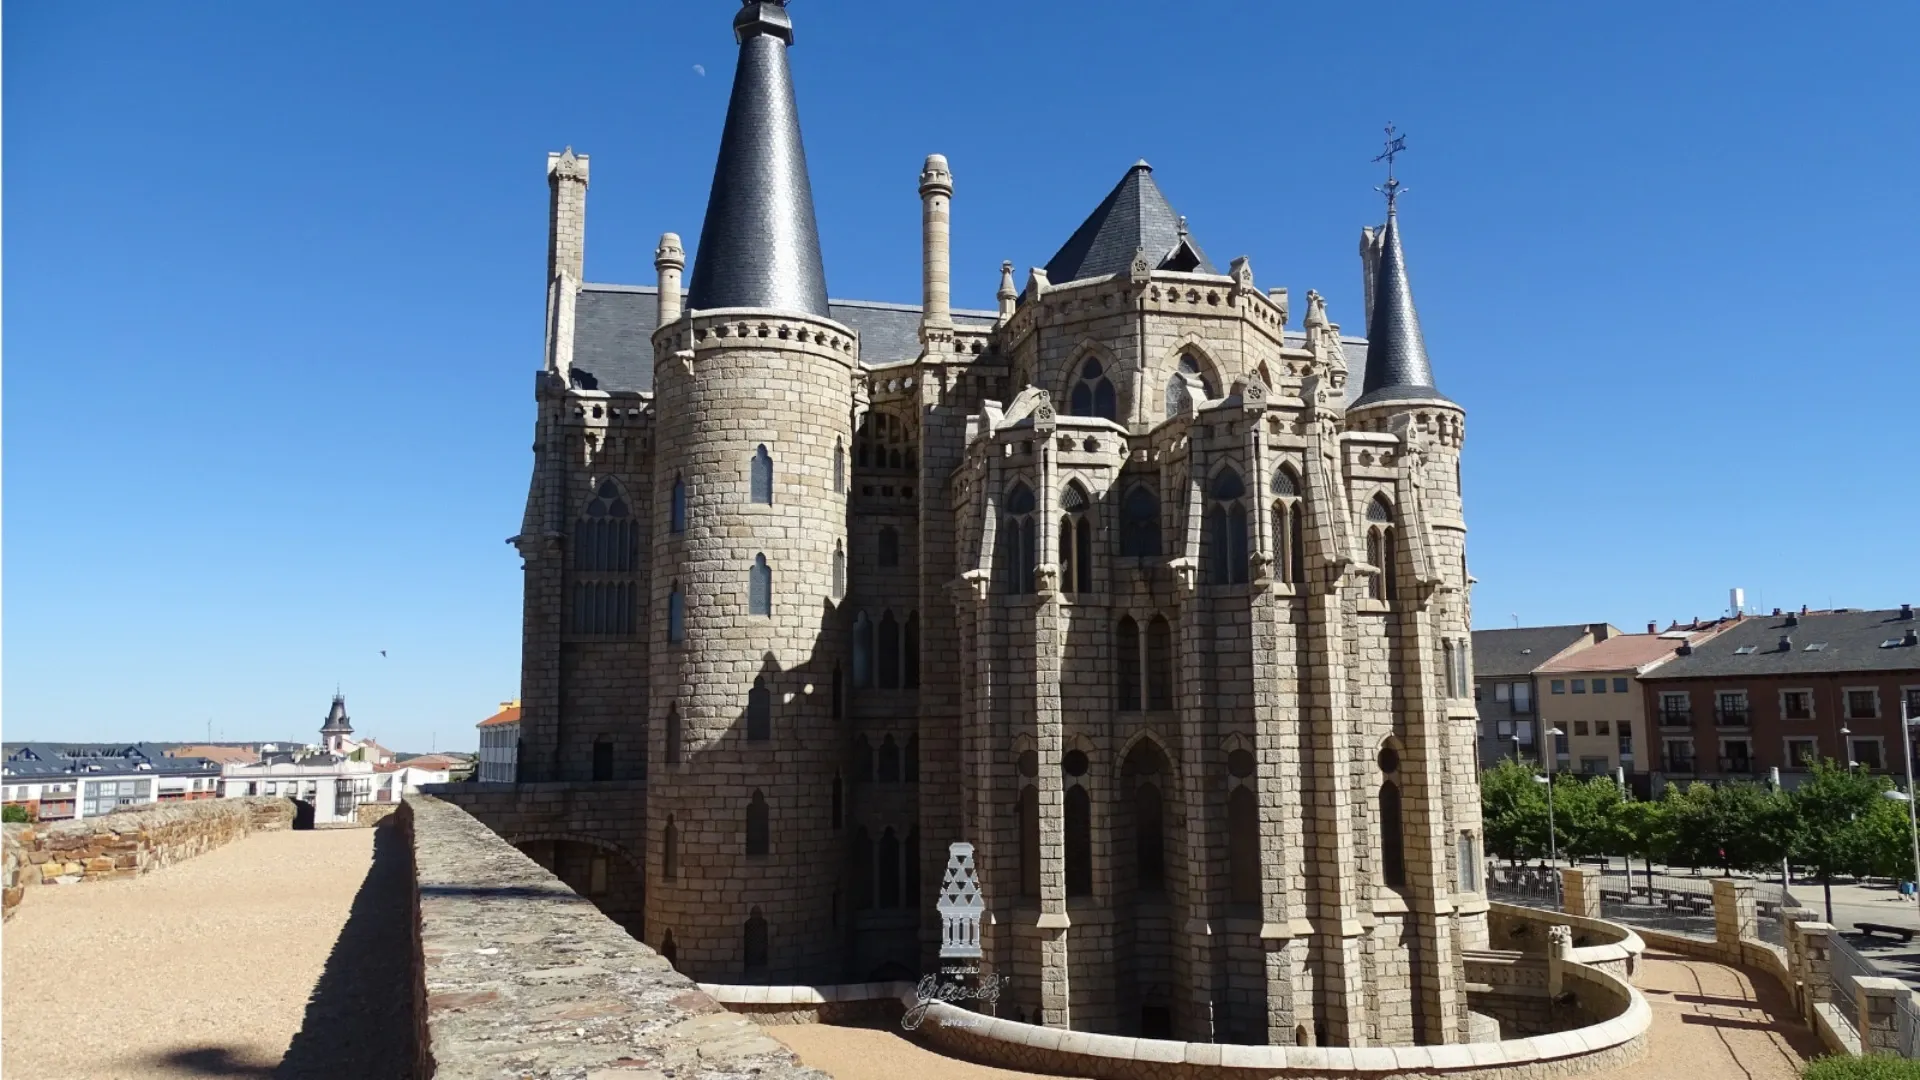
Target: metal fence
1770,906
1675,909
1910,1026
1527,886
1848,966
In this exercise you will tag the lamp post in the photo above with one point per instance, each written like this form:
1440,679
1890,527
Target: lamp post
1553,840
1913,825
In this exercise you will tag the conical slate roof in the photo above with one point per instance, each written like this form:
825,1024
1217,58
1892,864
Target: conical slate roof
1135,216
759,247
1397,367
337,717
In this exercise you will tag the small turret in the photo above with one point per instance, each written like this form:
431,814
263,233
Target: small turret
936,222
669,259
1397,365
1009,295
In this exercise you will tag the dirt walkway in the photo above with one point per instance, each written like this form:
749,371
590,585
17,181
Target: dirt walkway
213,967
1710,1022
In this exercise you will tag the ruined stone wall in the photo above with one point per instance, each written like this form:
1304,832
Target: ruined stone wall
131,842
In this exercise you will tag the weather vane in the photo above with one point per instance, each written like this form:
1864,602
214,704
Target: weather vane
1396,145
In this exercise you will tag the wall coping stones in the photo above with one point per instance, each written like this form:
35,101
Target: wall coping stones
518,975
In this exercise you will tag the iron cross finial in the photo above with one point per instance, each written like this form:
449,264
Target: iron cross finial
1396,145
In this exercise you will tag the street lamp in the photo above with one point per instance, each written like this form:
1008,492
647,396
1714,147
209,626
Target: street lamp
1553,840
1913,825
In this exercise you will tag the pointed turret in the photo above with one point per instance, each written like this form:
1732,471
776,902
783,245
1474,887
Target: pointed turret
1135,217
337,720
1397,367
759,247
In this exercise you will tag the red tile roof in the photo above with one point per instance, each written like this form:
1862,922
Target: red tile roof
509,714
1622,653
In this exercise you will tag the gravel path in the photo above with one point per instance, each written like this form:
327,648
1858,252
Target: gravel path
209,967
1710,1022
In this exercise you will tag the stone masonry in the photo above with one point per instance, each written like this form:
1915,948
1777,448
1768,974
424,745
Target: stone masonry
1160,602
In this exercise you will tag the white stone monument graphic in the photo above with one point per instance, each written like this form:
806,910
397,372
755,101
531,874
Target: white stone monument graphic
960,906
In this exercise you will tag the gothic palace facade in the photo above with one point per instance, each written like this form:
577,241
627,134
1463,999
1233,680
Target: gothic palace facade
1155,599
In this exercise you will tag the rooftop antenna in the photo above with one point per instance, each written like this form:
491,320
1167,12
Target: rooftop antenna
1395,146
1516,620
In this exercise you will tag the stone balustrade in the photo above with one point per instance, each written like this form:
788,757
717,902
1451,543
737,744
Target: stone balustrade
130,842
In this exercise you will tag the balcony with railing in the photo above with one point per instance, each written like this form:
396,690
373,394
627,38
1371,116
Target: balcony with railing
1737,766
1671,763
1725,716
1676,716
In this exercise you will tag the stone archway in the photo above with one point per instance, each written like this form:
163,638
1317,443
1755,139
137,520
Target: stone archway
601,870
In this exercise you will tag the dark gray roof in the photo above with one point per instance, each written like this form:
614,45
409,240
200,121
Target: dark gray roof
337,717
613,333
1849,640
59,759
1398,368
1506,653
759,247
1135,216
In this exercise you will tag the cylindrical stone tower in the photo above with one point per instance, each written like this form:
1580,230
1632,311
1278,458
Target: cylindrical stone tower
936,214
753,394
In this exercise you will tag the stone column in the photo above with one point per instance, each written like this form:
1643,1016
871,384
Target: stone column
669,259
1049,740
1733,912
1881,1019
1815,969
1580,892
936,198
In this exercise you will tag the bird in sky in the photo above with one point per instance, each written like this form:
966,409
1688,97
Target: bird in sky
383,652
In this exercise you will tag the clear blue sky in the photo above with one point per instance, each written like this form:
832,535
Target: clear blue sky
273,284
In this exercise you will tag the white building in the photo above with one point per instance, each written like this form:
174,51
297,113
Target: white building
332,787
57,783
394,780
500,745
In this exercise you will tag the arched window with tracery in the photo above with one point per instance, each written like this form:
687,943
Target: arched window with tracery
759,712
1159,663
1289,528
1015,552
1126,665
757,830
888,546
1092,393
606,554
1227,529
1393,854
760,587
1076,541
1140,522
763,476
1383,549
678,520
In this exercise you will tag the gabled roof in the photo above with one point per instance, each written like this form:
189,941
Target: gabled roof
509,714
1505,653
1134,217
1628,652
1848,641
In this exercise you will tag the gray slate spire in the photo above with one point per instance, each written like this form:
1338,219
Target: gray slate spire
337,718
1397,367
759,247
1134,217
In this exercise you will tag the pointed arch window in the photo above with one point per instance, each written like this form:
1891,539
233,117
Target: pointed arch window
1190,365
1126,665
1092,393
1076,541
1140,522
676,614
678,514
1079,822
757,828
839,467
1393,855
606,554
862,651
1150,844
888,546
1159,663
1383,549
1016,541
762,476
1243,846
1289,527
759,712
755,947
839,571
760,587
1227,529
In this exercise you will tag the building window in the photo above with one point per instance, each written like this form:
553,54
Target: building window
670,851
1140,522
889,652
759,712
1730,708
1126,665
1864,751
757,840
1016,542
762,476
1289,526
1463,668
676,614
1522,695
1093,393
1593,766
1076,541
755,948
605,537
889,772
1469,857
1079,821
1393,856
1679,756
760,587
1619,686
1802,752
839,467
1243,846
1579,686
883,445
1736,756
1863,704
861,754
602,759
1149,849
839,571
673,734
1599,686
1913,702
888,546
1029,812
1603,727
862,651
1676,709
1579,727
1383,551
1796,704
1227,529
1159,663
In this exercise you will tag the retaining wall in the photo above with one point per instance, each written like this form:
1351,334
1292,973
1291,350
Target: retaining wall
130,842
518,975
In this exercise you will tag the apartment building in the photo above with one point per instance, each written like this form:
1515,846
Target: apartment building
1505,691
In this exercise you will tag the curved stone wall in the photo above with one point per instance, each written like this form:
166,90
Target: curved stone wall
728,383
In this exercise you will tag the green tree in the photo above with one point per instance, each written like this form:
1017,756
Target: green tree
1829,834
1754,826
1646,831
1513,811
1587,816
